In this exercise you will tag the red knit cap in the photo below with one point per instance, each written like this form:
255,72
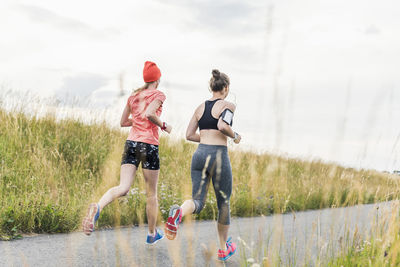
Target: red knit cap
151,72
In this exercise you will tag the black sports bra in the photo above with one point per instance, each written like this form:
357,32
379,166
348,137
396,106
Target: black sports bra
207,121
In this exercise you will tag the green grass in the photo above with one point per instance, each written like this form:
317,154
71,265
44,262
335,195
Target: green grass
50,171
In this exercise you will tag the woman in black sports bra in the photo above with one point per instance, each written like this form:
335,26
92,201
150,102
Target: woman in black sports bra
210,162
207,121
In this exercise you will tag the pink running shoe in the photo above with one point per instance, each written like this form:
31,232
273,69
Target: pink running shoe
223,255
90,219
174,219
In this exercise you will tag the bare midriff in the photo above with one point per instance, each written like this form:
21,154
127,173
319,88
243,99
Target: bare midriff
213,137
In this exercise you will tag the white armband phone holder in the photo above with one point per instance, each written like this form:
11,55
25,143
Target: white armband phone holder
227,116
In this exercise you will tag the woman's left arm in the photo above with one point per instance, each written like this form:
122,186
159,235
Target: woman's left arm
125,120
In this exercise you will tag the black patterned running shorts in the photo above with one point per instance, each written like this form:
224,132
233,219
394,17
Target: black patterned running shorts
136,152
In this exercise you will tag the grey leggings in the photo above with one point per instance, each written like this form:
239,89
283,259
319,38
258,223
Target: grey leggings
211,162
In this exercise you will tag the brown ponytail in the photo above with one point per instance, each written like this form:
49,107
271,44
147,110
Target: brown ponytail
218,80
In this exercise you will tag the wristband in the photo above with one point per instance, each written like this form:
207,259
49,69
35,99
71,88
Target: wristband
164,126
236,136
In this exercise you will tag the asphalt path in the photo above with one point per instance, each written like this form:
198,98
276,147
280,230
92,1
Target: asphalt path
294,239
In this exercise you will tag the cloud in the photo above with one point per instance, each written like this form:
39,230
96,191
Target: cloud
220,16
372,29
77,89
46,16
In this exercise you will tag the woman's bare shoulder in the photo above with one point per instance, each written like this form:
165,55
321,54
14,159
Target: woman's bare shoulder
198,112
226,104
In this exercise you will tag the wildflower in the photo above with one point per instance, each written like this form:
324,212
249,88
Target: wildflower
250,260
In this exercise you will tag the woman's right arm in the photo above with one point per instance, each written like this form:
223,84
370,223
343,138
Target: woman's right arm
191,134
125,120
225,128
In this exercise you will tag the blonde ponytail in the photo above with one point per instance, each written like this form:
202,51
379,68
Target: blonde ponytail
145,86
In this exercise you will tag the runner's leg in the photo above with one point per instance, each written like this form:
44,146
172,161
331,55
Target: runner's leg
200,174
222,182
222,235
200,161
188,207
151,178
127,175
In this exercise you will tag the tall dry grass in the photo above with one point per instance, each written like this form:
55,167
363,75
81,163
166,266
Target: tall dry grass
380,248
50,171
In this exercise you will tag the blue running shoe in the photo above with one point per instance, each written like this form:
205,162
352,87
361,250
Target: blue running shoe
151,240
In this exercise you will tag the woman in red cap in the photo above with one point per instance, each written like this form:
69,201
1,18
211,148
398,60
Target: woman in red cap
210,162
144,106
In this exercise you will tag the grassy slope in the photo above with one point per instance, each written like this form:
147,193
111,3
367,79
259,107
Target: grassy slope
50,171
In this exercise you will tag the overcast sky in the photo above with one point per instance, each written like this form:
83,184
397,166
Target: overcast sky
313,79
